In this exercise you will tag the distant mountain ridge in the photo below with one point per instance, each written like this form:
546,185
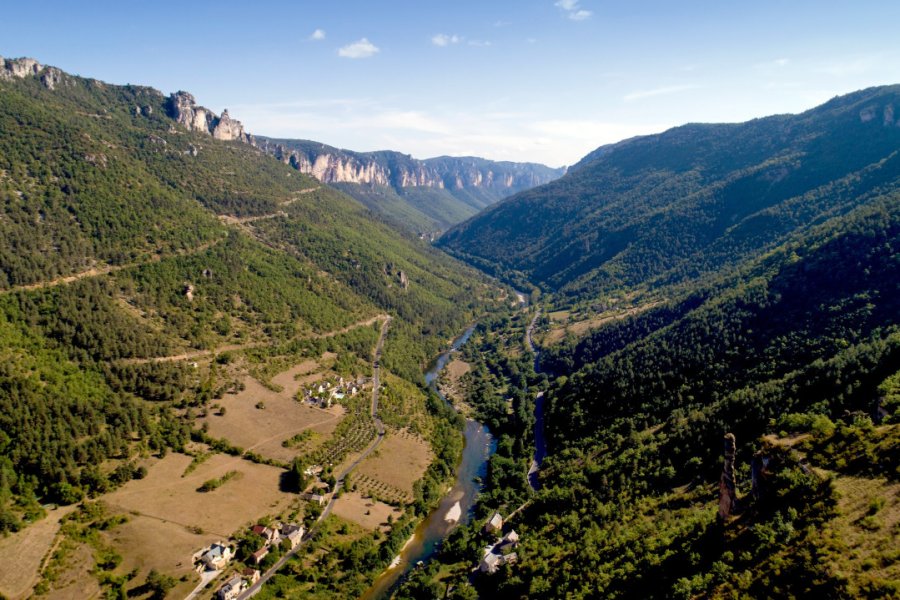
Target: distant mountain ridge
658,209
443,190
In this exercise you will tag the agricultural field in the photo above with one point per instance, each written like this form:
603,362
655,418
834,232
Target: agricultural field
398,463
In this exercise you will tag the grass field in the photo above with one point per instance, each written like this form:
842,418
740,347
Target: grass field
148,543
23,553
164,495
262,430
76,580
364,512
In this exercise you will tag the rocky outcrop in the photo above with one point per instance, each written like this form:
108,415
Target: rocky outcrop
387,168
20,68
184,109
727,485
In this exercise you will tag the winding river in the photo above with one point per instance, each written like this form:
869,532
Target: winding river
457,506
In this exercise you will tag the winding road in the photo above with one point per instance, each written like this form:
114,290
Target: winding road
339,483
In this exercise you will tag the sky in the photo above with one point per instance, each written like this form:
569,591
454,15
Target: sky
526,80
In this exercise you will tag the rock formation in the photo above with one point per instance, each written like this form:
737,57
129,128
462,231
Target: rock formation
387,168
727,485
184,109
19,68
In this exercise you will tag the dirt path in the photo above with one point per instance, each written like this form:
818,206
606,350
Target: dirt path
99,271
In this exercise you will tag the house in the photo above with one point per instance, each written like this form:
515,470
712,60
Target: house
232,588
258,556
494,524
293,534
270,535
216,557
491,561
251,575
317,498
510,540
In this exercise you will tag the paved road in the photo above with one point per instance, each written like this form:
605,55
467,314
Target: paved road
539,442
339,483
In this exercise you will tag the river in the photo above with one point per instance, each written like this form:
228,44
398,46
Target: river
457,505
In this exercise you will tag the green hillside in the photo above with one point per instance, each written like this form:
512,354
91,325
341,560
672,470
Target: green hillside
124,237
660,209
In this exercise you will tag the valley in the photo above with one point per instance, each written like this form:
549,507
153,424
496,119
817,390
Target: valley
238,366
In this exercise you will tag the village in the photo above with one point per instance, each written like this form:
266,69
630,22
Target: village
216,558
323,394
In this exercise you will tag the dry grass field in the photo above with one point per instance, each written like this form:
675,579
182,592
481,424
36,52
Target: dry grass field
400,460
148,543
23,553
364,512
76,580
166,496
262,430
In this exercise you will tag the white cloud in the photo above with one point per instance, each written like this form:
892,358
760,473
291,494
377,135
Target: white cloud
317,35
361,49
782,62
573,9
480,43
442,39
661,91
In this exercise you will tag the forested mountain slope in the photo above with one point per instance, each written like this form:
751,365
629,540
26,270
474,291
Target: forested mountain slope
125,237
664,208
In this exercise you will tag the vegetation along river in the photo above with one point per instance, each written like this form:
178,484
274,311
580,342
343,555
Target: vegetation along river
457,506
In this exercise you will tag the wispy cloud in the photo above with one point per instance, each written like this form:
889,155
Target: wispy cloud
660,91
361,49
480,43
443,39
317,35
573,10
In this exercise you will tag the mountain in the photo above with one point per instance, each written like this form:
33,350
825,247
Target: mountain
658,209
425,195
155,268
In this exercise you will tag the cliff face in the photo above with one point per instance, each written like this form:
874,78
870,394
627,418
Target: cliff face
19,68
386,168
183,108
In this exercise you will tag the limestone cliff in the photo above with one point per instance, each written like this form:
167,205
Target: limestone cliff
397,170
19,68
184,108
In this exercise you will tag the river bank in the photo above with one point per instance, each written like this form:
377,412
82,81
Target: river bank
457,505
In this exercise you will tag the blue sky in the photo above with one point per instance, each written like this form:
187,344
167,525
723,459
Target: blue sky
537,80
